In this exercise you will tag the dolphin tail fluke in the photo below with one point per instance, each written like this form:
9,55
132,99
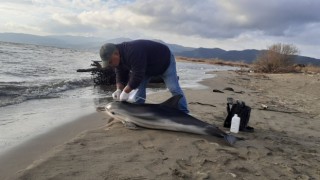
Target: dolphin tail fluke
231,140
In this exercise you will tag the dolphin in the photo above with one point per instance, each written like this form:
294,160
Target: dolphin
163,116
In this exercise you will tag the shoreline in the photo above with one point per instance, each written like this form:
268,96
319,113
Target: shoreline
284,144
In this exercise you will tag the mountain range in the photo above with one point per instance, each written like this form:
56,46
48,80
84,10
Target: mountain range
94,44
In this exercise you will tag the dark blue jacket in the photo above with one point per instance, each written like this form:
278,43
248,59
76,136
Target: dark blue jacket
139,59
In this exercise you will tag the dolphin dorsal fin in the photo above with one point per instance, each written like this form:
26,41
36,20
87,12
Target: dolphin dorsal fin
172,102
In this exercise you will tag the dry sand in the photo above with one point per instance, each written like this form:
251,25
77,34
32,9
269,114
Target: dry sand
285,144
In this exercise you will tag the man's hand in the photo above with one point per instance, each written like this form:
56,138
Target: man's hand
124,96
116,94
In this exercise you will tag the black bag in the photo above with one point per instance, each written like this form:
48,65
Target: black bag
242,110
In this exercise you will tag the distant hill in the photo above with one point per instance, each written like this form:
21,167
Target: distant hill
307,60
94,44
30,39
247,56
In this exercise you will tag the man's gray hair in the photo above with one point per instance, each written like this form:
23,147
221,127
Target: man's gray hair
106,52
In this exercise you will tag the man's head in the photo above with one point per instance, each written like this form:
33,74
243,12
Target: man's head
109,55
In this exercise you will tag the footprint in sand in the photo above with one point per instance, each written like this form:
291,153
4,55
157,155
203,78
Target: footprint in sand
147,143
230,152
200,144
154,165
253,153
227,156
184,164
206,163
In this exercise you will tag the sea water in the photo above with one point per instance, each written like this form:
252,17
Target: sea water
40,88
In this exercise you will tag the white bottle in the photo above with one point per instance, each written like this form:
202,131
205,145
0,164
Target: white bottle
235,124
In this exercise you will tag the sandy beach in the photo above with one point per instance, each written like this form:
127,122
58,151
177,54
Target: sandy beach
285,144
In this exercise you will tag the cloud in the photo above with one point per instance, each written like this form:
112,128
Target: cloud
228,19
228,24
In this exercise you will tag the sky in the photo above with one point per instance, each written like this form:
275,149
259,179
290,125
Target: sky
226,24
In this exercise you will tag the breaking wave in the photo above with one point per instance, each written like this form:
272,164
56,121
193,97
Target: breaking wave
18,92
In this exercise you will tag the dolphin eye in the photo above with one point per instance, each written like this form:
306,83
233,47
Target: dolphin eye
113,113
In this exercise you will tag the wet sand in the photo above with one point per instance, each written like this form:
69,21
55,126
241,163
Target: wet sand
285,144
21,156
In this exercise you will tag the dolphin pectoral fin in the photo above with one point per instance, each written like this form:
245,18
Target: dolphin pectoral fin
110,123
130,125
110,120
